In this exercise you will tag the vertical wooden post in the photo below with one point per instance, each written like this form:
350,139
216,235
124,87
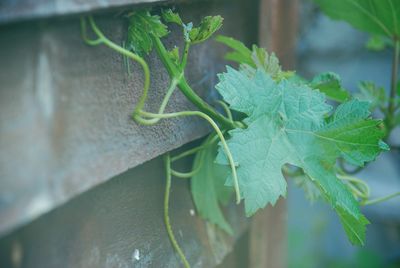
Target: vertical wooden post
278,20
277,32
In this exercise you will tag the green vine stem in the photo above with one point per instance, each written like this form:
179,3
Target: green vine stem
392,97
185,175
187,153
164,103
167,160
101,39
358,186
185,55
220,135
173,71
226,109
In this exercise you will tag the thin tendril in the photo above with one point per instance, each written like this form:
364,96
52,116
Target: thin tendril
226,109
171,235
164,103
380,199
104,40
187,153
220,135
211,139
185,175
356,181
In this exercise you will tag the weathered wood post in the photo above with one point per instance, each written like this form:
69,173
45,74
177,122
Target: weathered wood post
277,32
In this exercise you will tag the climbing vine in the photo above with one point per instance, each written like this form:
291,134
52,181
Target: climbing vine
275,124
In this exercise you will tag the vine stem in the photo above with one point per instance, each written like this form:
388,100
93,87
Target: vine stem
219,133
360,184
392,97
173,71
104,40
187,153
226,109
194,150
185,55
185,175
164,103
171,235
380,199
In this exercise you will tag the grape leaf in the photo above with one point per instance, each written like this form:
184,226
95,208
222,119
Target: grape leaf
251,60
330,84
174,55
141,26
286,125
240,54
171,17
381,17
370,92
208,26
208,189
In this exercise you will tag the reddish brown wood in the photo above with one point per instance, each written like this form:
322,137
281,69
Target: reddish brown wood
277,32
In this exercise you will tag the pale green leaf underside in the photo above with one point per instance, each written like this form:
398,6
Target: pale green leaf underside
380,17
286,125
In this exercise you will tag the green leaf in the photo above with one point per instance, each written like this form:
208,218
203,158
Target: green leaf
171,17
208,189
250,60
330,84
376,43
398,88
380,17
241,54
174,55
286,125
297,79
268,62
208,26
141,27
370,92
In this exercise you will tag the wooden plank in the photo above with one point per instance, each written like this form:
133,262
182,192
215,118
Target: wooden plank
22,10
65,107
277,32
120,224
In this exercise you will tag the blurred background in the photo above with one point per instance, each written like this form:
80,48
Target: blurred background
315,235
